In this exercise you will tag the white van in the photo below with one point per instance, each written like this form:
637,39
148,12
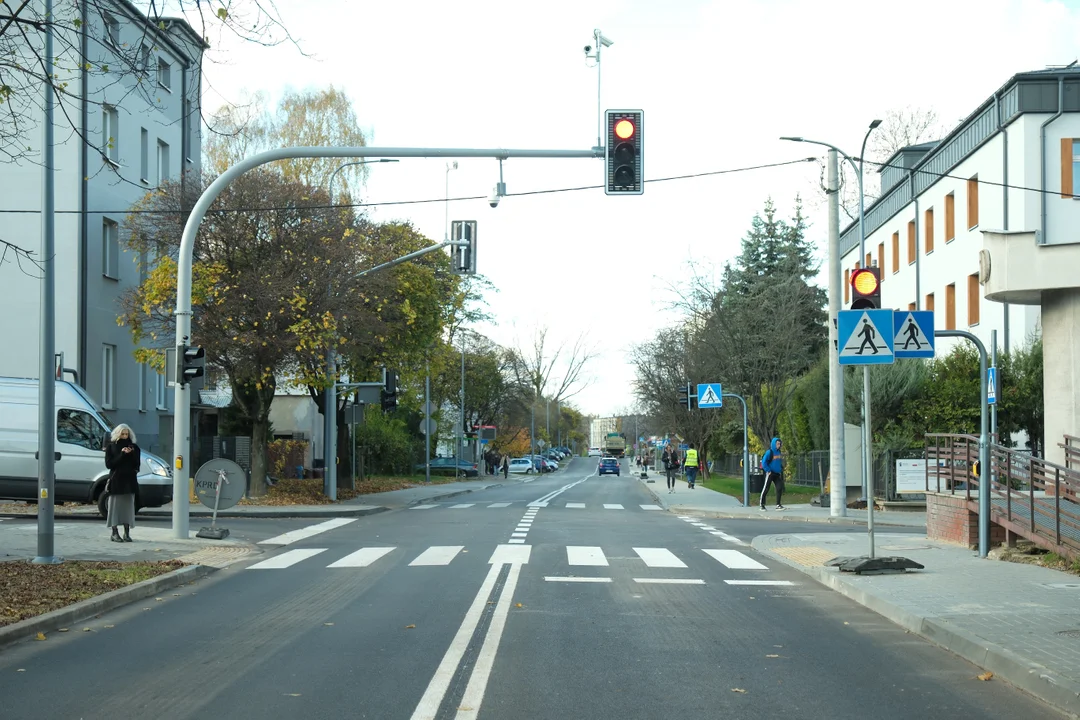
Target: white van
594,452
81,428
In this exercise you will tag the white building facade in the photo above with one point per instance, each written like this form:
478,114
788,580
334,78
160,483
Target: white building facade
119,134
1009,166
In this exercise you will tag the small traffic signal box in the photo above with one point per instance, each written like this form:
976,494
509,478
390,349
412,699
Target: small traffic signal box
866,289
687,397
464,256
190,363
624,153
389,390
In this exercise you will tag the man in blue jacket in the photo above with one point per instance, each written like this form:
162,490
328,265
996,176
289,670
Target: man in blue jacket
772,462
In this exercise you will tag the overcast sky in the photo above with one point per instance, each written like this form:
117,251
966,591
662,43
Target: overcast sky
719,82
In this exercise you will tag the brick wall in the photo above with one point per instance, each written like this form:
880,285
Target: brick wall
948,519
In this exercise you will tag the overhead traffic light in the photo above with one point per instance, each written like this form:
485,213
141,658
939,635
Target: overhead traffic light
624,153
190,363
687,398
465,255
866,289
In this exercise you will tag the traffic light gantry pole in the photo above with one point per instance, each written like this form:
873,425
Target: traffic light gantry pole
182,409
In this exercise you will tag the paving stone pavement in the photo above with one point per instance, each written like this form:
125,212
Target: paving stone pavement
1020,621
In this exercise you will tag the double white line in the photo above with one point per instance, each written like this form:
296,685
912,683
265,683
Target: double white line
515,556
542,502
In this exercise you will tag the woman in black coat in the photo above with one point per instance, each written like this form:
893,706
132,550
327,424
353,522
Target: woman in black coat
123,458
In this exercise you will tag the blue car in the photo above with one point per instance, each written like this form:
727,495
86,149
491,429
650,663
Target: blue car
608,465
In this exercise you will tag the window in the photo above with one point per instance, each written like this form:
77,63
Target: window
75,427
896,252
973,201
950,306
144,156
162,392
108,376
911,306
164,73
110,249
950,217
162,162
847,286
112,30
928,241
868,260
973,299
930,302
110,134
881,259
144,59
142,387
911,252
1070,165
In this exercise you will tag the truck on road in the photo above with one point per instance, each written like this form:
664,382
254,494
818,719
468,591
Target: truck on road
614,445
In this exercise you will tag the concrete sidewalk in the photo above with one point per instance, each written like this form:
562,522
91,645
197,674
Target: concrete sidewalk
704,502
1020,621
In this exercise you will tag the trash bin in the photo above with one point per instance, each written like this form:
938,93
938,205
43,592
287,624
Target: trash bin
757,482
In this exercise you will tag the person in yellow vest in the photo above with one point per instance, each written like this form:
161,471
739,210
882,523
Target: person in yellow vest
690,465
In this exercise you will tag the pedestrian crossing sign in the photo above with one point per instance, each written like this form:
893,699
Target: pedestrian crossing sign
913,333
866,337
710,395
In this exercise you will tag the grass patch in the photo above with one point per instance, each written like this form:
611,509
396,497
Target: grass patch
733,486
28,590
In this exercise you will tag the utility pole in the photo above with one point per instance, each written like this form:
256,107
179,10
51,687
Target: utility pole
47,373
461,437
427,420
837,471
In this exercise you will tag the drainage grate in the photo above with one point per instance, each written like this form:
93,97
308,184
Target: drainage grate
1068,633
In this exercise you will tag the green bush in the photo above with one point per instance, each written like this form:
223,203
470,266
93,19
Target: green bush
387,446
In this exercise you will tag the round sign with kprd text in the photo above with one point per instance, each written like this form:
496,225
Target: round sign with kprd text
233,483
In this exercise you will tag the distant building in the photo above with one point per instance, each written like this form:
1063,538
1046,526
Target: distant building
1011,165
146,125
599,429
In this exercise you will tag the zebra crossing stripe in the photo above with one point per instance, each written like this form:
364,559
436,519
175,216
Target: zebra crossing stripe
578,555
759,582
659,557
422,507
651,507
575,505
437,555
613,506
669,581
287,559
362,557
499,505
461,505
729,538
734,560
303,533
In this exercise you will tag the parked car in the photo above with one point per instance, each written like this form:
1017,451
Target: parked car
451,466
594,452
549,464
521,465
608,465
81,435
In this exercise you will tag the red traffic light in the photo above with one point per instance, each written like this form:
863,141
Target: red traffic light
624,129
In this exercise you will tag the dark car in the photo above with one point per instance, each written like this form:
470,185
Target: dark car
446,466
608,465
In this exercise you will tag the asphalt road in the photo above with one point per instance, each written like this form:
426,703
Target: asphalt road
507,604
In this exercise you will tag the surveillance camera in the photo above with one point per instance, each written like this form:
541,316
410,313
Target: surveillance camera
493,201
605,42
588,49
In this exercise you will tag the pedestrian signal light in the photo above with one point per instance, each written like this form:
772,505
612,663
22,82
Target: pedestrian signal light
191,363
686,396
624,157
866,289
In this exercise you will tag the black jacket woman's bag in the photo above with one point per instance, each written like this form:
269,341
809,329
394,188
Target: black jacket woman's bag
124,478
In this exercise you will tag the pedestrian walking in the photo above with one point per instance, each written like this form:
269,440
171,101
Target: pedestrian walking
772,462
670,458
690,465
506,466
122,458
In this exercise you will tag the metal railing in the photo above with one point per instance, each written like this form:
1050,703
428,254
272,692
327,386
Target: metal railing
1028,495
1071,446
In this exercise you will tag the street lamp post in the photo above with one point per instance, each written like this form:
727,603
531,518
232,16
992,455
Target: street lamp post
837,471
461,430
330,404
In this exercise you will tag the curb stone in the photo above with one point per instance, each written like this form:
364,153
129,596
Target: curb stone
795,518
1034,679
446,496
72,614
338,511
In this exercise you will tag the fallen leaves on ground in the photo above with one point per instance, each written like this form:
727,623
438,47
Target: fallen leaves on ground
28,590
309,491
985,676
409,627
738,690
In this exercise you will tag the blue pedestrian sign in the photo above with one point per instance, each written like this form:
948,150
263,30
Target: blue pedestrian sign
865,337
684,446
913,333
710,395
991,386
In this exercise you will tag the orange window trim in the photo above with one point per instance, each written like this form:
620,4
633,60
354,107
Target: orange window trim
1066,167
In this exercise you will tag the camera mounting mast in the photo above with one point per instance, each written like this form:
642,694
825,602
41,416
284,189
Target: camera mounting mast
592,52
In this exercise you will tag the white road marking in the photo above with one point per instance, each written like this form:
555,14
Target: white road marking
651,507
498,505
518,534
575,505
287,559
683,517
659,557
302,533
519,540
735,560
556,578
440,682
422,507
537,504
759,582
669,581
729,538
507,555
585,555
437,555
543,501
613,506
461,505
362,557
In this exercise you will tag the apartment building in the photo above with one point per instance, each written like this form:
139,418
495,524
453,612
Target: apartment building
141,126
1010,165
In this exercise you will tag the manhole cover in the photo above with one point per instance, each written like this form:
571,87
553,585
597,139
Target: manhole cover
1068,633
